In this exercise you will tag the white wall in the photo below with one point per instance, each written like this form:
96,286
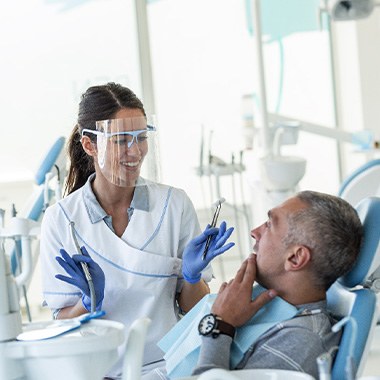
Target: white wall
51,52
357,63
203,64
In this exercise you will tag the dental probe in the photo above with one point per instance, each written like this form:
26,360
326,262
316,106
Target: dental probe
85,269
324,366
218,205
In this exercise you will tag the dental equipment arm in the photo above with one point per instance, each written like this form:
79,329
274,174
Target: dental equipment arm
350,369
325,360
58,187
324,363
23,230
2,217
73,267
193,262
363,138
48,177
10,315
324,366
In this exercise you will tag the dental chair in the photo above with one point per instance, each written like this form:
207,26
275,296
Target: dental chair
363,182
52,167
38,201
353,296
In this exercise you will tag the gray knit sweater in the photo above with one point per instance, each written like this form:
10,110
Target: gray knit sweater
293,345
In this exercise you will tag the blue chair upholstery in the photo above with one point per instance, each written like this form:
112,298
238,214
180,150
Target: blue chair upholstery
35,204
49,160
354,295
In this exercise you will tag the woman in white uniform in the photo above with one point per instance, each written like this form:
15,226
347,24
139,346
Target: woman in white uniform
141,240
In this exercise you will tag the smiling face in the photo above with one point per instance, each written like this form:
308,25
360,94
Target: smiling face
122,148
271,252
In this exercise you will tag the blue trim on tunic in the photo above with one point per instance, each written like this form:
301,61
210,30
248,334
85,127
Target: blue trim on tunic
118,266
64,293
161,219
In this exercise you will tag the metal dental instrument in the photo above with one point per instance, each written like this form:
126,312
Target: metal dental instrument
85,270
218,205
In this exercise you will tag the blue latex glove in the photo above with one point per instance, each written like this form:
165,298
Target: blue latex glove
193,263
72,266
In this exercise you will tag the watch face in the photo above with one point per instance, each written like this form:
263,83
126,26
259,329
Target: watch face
207,324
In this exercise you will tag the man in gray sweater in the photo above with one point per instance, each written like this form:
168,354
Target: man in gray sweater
304,246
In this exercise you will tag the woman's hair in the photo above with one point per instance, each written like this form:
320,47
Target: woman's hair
330,227
97,103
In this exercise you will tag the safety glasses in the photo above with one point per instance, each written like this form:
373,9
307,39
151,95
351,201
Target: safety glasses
123,137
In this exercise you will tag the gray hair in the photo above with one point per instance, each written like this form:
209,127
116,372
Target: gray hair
330,227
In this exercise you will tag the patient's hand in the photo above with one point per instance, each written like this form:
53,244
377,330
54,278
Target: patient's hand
234,302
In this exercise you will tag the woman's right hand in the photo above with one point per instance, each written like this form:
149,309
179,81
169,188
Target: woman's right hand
73,267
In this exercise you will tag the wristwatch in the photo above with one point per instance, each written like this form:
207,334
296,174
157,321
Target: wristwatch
213,325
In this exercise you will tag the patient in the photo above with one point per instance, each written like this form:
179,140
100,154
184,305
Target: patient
304,246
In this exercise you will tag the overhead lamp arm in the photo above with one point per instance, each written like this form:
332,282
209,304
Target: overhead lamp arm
364,138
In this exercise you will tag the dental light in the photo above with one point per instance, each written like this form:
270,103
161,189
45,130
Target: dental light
346,10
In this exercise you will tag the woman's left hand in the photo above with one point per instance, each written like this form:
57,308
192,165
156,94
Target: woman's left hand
193,262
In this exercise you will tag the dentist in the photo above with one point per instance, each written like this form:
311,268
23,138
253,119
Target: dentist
142,241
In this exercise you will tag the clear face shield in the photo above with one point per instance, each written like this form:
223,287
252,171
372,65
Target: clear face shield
126,149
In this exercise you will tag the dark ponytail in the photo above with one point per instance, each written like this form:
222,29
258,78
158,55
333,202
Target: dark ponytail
84,164
97,103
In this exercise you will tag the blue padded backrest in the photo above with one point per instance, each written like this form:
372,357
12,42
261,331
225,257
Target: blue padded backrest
358,304
368,259
49,160
363,312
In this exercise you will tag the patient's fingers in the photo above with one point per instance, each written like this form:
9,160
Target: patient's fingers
240,273
225,284
250,271
262,299
222,287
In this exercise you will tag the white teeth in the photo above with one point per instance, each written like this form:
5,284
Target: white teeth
130,164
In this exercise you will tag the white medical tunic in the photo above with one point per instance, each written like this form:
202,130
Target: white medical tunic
142,268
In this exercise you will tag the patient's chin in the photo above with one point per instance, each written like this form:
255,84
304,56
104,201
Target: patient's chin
260,280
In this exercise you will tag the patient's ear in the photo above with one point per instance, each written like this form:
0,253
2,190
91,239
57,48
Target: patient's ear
298,258
88,146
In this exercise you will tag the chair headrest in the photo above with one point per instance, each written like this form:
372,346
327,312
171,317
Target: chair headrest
49,160
369,256
362,170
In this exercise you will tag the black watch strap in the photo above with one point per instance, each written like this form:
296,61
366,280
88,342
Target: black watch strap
224,328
